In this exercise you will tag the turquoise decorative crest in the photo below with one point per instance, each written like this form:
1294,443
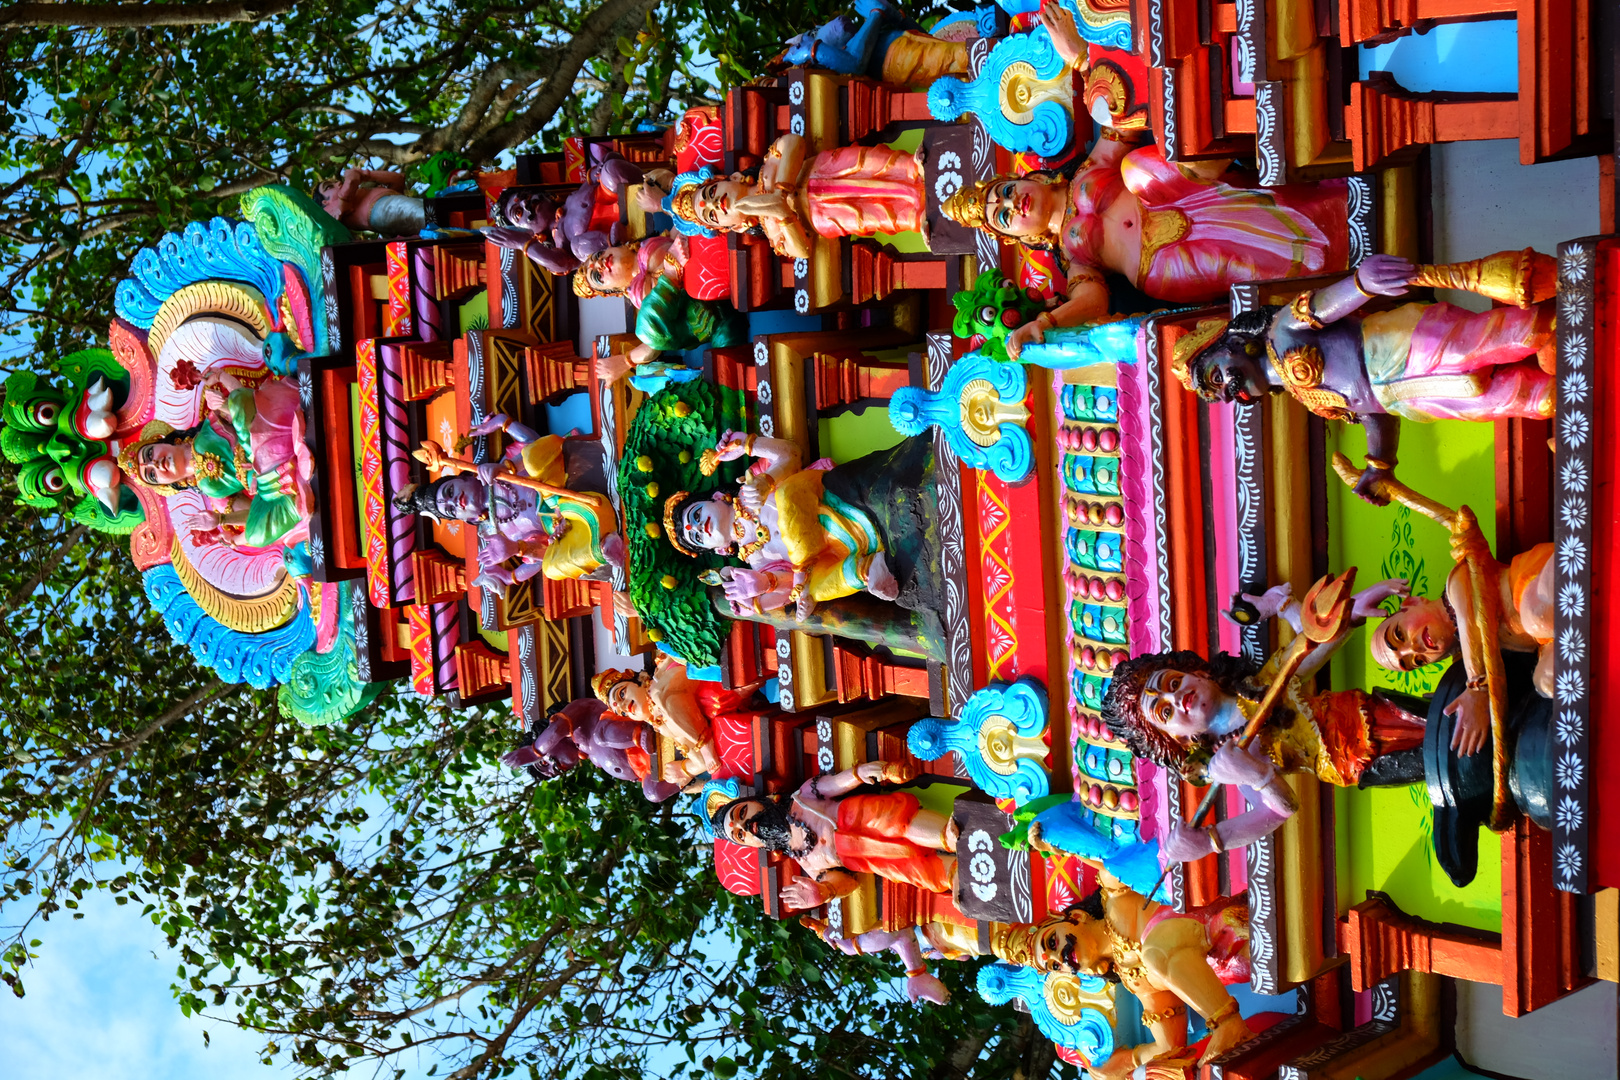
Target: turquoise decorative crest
980,408
1076,1027
715,794
998,739
1023,96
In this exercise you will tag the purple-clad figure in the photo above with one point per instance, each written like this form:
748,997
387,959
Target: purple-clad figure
559,236
585,730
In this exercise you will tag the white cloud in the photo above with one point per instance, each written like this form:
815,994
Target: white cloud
99,1005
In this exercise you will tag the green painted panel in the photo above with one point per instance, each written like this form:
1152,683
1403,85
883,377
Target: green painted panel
474,314
1383,840
850,435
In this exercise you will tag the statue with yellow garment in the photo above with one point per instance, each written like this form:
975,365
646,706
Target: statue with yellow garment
529,517
814,534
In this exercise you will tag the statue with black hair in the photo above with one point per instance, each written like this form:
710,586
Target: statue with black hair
834,831
558,236
1169,960
1187,714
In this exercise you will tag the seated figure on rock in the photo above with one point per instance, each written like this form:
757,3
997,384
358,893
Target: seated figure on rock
812,534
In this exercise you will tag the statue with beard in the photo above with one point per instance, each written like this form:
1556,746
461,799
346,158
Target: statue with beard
834,833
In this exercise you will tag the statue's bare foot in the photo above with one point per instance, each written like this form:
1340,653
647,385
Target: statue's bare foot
879,581
952,831
1227,1034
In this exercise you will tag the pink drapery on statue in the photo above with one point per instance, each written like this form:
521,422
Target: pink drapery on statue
1442,362
1217,235
862,190
1201,237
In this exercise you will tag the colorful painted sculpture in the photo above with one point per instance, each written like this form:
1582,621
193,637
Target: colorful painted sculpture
374,200
911,946
557,236
61,441
668,319
1192,716
1170,961
700,716
1427,631
812,534
584,730
530,517
247,457
1488,607
833,832
1179,234
846,191
1417,361
886,45
990,311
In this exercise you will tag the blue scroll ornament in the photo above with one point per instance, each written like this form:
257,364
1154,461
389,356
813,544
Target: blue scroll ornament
1054,1006
325,688
218,251
1110,29
715,794
1023,96
1000,727
260,660
980,408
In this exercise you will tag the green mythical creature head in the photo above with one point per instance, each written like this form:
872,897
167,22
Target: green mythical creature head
992,309
60,441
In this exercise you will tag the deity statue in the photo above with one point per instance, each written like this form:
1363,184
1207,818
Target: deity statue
846,191
693,713
884,45
247,456
585,730
373,199
1170,961
668,319
813,534
1186,714
834,833
1180,234
532,517
1422,362
559,237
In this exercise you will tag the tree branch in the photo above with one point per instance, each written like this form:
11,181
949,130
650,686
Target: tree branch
593,33
139,15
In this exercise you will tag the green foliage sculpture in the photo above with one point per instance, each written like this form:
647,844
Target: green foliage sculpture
661,453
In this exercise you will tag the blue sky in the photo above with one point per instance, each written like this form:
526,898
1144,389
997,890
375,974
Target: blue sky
99,1005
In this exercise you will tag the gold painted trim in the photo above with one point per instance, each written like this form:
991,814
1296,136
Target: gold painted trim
250,616
228,298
